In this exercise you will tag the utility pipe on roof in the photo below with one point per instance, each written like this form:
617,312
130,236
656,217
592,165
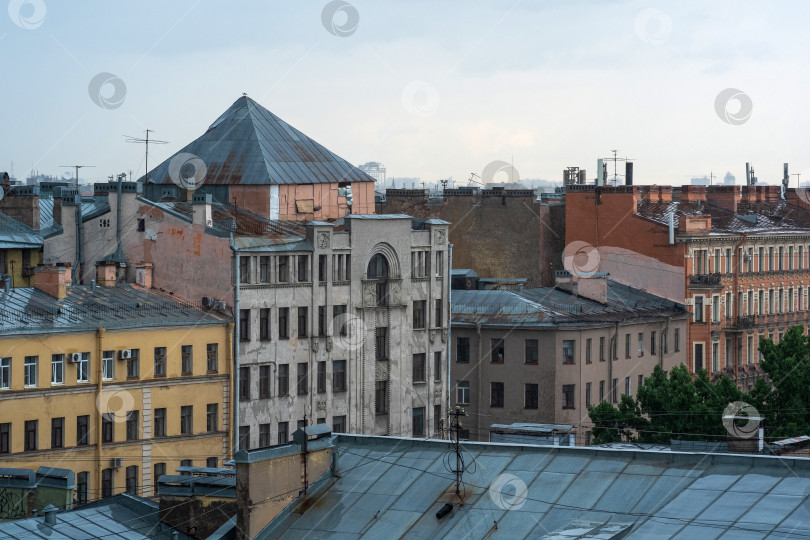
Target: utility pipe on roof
235,366
99,388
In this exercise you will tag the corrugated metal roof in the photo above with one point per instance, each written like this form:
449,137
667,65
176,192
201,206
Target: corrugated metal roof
387,487
16,235
248,144
26,310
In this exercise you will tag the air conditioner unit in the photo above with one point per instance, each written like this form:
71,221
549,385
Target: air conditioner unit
207,302
74,357
220,304
125,354
116,462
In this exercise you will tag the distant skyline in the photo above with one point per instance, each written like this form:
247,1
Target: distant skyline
432,90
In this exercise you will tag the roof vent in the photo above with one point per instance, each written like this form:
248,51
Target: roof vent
444,510
50,514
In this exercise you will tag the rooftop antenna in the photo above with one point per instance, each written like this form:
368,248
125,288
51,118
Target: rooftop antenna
145,141
77,167
616,159
455,426
472,179
797,175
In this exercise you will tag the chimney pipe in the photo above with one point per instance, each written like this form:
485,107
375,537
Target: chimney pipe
747,174
600,172
628,173
671,227
50,514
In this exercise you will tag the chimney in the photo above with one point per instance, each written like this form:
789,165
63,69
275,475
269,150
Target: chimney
665,193
22,204
628,173
143,275
772,193
693,193
51,280
725,197
106,273
593,287
201,210
563,280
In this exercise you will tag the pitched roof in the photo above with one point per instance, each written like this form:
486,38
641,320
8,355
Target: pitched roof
16,235
248,144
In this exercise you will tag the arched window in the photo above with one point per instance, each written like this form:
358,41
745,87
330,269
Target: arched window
378,267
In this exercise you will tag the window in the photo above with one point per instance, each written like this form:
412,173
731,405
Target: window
82,430
159,470
264,324
381,397
602,349
568,351
5,373
212,417
244,383
264,382
382,293
677,338
463,350
303,322
532,351
58,369
264,269
186,463
728,260
186,360
244,325
284,268
750,350
30,435
587,394
283,432
665,341
627,386
321,382
698,309
419,367
160,361
640,344
761,259
132,425
303,268
211,462
588,351
437,366
339,376
108,427
601,391
378,267
531,396
568,396
781,258
283,323
212,357
322,323
322,272
652,342
339,424
160,422
614,391
640,382
283,379
132,479
31,370
303,379
81,487
497,351
244,270
83,367
698,357
728,305
57,432
439,263
340,320
107,483
438,318
244,437
715,356
381,343
418,422
264,435
186,419
108,365
133,364
463,392
627,345
419,314
496,394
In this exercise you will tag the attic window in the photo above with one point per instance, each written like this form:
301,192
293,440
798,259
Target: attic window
304,206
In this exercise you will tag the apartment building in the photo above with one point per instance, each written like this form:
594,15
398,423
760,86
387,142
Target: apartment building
115,382
544,355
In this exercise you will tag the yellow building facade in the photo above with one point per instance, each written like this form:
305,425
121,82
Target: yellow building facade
118,384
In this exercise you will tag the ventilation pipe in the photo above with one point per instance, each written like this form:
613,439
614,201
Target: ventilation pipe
628,173
747,174
600,172
671,227
50,514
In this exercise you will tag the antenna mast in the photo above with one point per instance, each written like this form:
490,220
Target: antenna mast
145,142
455,426
77,167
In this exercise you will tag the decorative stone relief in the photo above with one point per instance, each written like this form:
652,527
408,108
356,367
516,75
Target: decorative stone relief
329,344
321,405
395,292
369,294
323,240
440,237
315,345
444,335
381,371
432,336
437,392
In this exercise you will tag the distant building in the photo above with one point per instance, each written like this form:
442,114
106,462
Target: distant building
544,355
376,171
699,181
404,182
729,179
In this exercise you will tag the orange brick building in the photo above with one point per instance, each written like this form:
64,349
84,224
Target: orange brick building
737,256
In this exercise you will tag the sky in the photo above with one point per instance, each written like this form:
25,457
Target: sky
434,90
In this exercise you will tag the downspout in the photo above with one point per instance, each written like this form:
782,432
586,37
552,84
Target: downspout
235,349
734,296
229,342
449,334
480,376
99,389
661,344
77,280
613,354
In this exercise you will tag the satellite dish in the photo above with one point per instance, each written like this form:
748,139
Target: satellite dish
67,176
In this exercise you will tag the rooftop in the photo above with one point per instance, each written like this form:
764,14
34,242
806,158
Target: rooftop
16,235
248,144
26,310
392,487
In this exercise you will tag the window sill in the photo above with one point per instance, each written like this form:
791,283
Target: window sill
133,378
531,408
58,383
569,408
160,375
496,406
187,373
209,372
419,382
530,363
572,363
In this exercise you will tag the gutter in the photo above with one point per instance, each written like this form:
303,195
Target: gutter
235,367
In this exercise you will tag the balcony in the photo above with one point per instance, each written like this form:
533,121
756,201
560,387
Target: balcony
705,281
746,322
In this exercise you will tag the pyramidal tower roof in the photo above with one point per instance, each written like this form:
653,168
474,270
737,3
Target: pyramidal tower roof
248,144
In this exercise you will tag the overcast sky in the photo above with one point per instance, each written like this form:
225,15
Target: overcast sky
430,89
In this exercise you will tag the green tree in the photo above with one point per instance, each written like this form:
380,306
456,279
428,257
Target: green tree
616,424
785,405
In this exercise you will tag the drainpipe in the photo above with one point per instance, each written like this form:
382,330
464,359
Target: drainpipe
611,390
449,332
480,376
235,390
79,240
99,388
736,312
661,344
229,343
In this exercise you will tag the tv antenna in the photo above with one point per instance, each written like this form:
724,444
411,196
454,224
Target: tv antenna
798,178
616,159
472,179
455,426
77,167
145,141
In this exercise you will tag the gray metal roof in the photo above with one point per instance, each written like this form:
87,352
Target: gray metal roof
119,517
16,235
26,310
248,144
387,487
550,306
